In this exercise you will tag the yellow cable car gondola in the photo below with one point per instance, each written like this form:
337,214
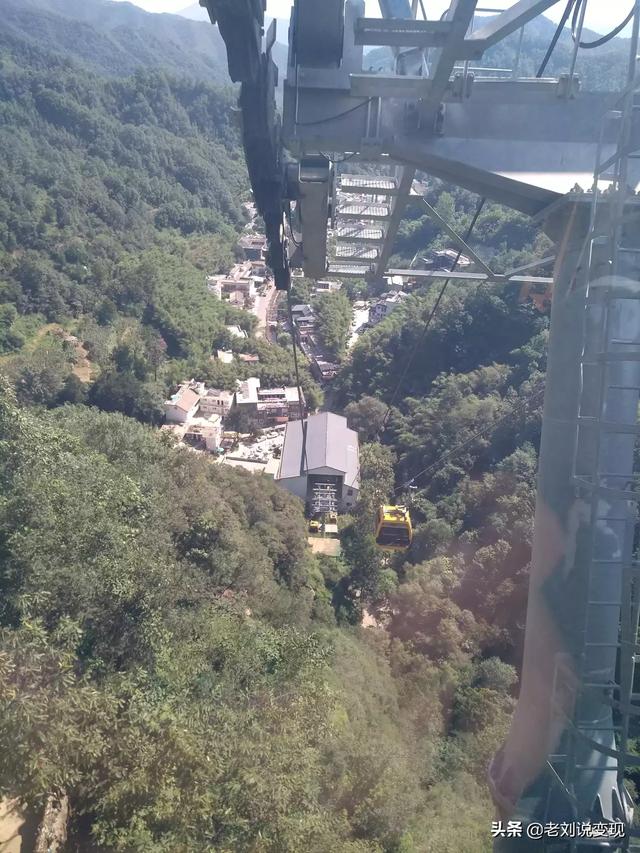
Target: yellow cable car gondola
393,528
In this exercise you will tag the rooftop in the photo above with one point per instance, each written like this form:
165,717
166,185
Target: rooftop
289,393
218,394
236,331
252,240
329,444
248,390
184,399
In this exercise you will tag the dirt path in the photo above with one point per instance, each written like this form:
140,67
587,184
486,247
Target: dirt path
11,824
262,308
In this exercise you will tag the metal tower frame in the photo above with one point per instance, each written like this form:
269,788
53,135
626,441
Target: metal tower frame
511,140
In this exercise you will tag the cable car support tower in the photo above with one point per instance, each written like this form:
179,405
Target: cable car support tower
533,145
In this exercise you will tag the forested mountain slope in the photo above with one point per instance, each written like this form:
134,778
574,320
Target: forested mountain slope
118,196
170,660
173,658
117,39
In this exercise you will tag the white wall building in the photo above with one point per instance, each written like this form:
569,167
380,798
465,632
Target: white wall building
388,303
214,285
182,407
216,402
204,433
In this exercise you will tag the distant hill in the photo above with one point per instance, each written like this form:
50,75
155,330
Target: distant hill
116,39
194,12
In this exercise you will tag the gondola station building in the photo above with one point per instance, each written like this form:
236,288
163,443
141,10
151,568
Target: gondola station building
320,463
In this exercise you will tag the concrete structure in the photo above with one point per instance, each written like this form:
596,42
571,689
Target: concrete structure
320,462
259,269
444,260
268,406
322,367
324,286
225,356
253,247
214,285
240,279
302,312
182,406
199,433
247,393
395,282
204,433
267,469
236,331
216,402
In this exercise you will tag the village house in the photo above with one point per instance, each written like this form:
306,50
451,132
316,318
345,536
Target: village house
388,303
253,247
216,402
214,285
268,406
327,286
239,280
182,406
204,433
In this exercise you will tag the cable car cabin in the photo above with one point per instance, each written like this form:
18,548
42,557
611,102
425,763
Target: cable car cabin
393,528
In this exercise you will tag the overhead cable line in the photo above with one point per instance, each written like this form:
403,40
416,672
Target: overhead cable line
556,36
448,454
303,456
337,116
589,45
575,6
432,314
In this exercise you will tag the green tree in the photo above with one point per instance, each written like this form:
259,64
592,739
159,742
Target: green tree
333,321
124,392
367,415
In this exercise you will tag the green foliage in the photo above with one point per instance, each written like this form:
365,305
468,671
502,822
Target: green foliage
172,655
376,479
160,660
333,313
10,338
109,188
367,416
458,341
42,376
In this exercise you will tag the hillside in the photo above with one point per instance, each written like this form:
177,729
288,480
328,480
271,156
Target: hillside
175,661
110,187
116,39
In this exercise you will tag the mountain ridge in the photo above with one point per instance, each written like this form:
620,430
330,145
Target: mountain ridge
118,39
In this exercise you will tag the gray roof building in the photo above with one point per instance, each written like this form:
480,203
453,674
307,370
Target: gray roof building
325,454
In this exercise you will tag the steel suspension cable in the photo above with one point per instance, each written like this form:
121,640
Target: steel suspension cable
303,459
448,454
432,314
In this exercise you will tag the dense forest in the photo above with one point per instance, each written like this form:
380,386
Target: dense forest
170,659
174,660
119,194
